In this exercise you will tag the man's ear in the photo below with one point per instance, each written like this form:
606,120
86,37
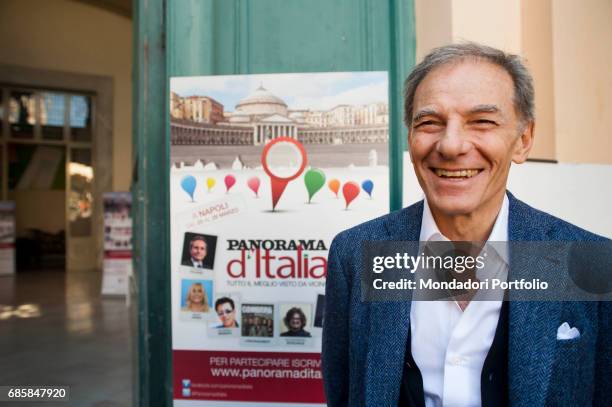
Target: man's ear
523,144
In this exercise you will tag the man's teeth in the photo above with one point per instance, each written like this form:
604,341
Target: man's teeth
456,174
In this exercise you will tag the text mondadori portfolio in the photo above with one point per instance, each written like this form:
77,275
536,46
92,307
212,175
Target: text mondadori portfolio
431,284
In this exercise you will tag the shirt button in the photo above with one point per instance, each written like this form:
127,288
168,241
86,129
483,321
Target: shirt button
456,360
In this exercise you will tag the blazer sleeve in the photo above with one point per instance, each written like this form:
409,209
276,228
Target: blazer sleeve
603,359
335,353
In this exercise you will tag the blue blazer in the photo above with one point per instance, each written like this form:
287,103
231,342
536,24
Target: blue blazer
364,342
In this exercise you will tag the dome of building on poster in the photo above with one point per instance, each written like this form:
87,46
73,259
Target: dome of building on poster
262,102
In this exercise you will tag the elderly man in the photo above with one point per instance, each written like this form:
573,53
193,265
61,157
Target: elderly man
469,113
198,249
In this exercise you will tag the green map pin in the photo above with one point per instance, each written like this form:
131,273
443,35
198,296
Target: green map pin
314,180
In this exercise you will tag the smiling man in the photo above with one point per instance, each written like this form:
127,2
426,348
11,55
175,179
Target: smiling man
469,112
466,129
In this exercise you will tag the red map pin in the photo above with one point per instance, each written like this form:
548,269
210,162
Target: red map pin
283,159
350,190
230,180
253,183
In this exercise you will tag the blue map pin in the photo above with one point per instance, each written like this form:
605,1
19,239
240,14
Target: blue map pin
188,183
368,186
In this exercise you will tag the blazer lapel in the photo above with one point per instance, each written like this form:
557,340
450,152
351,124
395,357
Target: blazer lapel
532,325
390,322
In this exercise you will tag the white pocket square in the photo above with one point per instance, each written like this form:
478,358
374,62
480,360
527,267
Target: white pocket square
564,332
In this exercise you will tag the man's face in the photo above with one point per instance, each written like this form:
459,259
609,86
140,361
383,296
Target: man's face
464,135
226,314
198,250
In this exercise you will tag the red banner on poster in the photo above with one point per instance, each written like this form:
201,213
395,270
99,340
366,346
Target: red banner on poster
248,376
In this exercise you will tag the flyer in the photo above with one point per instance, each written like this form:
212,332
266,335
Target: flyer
117,262
265,171
7,237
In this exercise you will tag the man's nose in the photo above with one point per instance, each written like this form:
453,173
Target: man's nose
453,142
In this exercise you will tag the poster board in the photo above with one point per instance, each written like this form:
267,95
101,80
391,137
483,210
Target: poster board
266,170
117,263
7,237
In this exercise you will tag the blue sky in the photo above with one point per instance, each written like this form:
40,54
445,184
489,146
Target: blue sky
316,91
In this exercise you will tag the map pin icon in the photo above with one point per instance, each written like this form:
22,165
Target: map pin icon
314,180
188,183
283,159
368,186
350,190
210,183
230,180
254,183
334,185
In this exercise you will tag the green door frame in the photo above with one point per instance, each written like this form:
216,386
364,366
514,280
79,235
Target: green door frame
151,152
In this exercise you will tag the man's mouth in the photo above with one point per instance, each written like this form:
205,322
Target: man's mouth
463,173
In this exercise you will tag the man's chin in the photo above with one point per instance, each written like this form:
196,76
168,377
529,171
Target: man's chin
452,205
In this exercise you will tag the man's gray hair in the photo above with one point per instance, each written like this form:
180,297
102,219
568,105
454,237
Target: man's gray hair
523,83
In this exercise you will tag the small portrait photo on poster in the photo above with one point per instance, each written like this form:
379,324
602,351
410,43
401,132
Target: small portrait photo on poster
196,299
199,251
226,307
258,320
296,320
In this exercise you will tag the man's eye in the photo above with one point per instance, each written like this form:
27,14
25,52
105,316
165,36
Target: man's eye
427,123
485,122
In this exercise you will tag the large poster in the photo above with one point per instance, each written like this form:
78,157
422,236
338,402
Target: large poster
266,170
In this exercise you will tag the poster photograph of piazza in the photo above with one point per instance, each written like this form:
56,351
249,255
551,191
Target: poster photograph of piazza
341,118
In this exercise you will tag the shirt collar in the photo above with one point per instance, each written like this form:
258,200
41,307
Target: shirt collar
499,233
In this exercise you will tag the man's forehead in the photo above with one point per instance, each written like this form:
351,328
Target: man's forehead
467,86
469,110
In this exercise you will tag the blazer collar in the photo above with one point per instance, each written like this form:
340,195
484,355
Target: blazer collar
405,224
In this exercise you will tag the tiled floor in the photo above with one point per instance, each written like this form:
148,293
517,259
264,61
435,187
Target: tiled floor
56,329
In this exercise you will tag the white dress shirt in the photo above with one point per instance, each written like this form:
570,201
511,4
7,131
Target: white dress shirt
197,264
449,345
